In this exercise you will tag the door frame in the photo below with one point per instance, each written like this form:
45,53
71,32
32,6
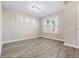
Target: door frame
0,27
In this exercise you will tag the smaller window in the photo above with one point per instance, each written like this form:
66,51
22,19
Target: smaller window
19,19
27,20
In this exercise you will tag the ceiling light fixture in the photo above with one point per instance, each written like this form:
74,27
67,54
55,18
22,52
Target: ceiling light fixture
36,8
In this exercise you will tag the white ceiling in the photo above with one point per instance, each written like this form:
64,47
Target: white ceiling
47,7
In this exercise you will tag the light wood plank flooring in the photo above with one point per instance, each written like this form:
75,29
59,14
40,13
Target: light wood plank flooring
38,48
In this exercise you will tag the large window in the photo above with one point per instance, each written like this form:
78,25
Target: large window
51,25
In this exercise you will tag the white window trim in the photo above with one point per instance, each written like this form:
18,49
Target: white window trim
49,27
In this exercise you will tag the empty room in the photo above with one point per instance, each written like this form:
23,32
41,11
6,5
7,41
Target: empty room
39,29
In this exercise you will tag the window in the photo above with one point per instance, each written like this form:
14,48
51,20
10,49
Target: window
51,25
27,20
19,19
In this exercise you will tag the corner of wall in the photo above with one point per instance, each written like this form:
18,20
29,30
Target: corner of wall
70,45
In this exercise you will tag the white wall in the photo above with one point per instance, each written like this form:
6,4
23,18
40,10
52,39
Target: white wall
78,24
71,24
15,31
68,25
0,28
60,35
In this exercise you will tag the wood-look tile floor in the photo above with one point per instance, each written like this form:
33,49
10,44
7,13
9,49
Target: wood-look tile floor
38,48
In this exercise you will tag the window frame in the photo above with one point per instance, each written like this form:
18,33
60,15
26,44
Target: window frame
50,19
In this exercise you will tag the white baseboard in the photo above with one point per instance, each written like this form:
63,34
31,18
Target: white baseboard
18,40
66,44
31,38
70,45
53,38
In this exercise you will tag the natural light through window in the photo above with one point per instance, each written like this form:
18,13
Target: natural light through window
27,20
51,25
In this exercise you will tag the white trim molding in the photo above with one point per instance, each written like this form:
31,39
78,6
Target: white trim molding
53,38
19,40
70,45
31,38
